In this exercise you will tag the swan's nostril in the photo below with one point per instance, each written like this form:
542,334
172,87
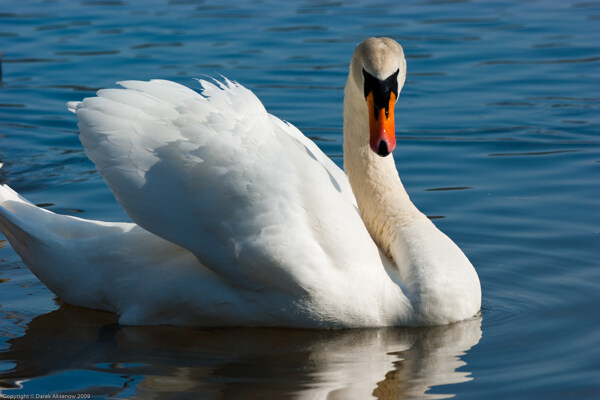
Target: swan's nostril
383,149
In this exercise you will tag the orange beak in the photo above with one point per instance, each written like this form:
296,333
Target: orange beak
381,126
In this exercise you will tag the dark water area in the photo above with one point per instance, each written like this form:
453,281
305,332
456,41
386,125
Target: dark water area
498,131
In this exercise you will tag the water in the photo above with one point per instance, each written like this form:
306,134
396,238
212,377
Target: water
498,129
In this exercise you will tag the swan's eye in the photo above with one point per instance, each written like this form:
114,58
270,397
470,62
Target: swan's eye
381,89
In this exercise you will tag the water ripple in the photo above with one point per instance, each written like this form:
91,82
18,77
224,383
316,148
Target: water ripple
533,62
534,153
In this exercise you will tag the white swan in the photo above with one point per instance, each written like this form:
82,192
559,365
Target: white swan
242,220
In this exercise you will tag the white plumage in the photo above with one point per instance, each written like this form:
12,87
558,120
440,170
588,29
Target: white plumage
239,220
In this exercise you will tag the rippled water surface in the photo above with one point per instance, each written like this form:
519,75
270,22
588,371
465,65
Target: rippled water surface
498,140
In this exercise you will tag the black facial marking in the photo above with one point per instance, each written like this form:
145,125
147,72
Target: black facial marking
381,90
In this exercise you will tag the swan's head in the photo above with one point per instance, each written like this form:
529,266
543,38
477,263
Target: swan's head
378,68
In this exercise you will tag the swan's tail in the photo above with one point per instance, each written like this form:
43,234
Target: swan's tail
31,229
113,266
56,248
19,233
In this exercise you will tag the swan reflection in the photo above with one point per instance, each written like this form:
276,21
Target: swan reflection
161,362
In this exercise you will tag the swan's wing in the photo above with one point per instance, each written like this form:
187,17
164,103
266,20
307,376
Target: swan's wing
249,195
338,176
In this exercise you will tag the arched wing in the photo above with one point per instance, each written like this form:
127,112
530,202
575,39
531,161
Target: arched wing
254,199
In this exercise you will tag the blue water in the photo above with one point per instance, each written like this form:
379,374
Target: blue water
498,139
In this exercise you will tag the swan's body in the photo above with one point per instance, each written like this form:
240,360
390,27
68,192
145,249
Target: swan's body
242,220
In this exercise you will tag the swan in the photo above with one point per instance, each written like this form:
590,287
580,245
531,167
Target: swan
240,220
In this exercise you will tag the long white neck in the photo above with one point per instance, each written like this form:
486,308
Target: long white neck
438,280
382,200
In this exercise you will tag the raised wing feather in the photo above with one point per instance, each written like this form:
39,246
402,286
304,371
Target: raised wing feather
254,199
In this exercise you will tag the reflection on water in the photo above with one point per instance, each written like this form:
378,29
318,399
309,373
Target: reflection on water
160,362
